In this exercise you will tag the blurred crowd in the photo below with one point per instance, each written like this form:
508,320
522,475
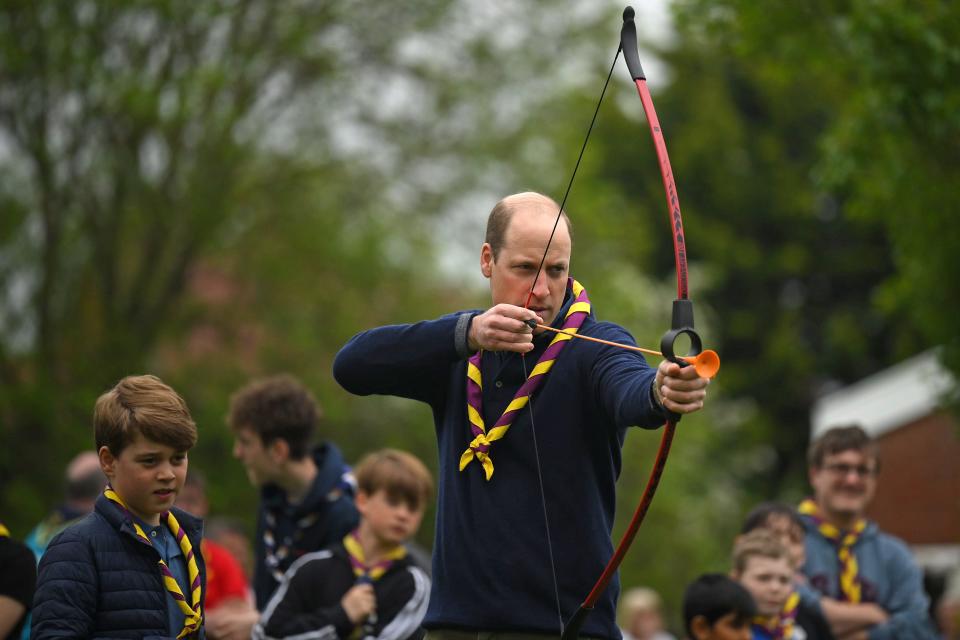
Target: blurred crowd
333,554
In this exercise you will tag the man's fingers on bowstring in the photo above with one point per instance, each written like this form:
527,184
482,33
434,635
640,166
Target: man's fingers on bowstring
514,314
503,328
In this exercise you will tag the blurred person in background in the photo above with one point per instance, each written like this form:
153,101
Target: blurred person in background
717,607
864,581
948,609
783,522
367,586
230,534
18,579
83,483
306,491
228,593
640,615
762,564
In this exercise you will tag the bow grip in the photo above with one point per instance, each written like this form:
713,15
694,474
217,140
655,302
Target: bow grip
682,325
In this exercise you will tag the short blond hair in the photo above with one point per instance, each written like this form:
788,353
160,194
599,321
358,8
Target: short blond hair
757,543
142,405
400,474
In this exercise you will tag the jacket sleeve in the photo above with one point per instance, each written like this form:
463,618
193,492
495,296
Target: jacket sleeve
410,361
67,585
293,609
621,381
907,604
401,615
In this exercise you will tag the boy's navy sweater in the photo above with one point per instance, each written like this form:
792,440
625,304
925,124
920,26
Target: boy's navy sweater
97,580
491,566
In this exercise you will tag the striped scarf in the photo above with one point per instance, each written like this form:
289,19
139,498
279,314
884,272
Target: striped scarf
373,571
368,573
193,616
844,542
479,447
780,626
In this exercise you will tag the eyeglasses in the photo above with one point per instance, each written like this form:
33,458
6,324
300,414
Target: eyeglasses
843,470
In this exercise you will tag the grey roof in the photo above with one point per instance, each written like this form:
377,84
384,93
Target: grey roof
888,399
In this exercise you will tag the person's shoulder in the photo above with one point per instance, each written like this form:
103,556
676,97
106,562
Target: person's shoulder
16,556
890,545
90,527
317,563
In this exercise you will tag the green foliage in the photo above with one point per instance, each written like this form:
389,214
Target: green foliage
219,190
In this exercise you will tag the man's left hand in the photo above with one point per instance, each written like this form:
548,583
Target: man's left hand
680,389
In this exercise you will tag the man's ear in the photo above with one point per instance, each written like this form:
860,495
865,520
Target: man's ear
700,628
486,260
108,461
279,450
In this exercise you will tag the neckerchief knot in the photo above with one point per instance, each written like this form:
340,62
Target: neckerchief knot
479,447
780,626
850,588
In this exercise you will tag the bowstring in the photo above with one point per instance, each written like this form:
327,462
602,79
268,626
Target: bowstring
523,360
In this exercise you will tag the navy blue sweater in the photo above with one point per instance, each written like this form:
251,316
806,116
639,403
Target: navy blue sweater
97,580
491,566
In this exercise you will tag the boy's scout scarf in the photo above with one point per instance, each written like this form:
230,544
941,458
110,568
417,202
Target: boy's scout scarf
375,570
780,626
479,448
844,541
4,532
192,615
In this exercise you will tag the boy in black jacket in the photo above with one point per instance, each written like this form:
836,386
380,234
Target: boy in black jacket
366,586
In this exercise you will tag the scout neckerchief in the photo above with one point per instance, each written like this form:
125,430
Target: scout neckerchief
844,541
368,573
4,532
277,553
375,570
192,614
479,448
780,626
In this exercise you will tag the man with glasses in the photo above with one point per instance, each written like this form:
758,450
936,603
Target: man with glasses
864,581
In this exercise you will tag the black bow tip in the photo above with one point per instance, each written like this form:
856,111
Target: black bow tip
628,14
531,323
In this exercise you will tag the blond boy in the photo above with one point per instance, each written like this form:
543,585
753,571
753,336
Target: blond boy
367,585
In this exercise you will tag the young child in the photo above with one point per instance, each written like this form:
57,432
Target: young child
228,591
762,564
129,569
783,522
367,585
715,607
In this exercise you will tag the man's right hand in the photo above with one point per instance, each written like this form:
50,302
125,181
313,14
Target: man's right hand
359,602
503,328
